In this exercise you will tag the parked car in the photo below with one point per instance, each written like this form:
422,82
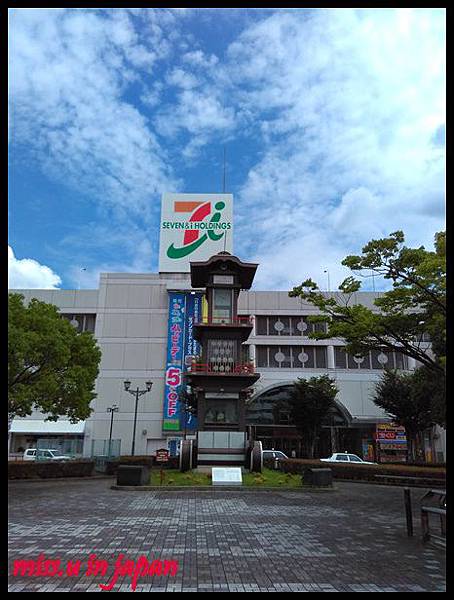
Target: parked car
45,454
347,458
274,454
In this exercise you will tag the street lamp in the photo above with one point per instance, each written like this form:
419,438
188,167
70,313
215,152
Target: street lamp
112,409
136,393
185,396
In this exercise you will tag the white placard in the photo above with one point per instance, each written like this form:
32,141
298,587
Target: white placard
226,476
193,228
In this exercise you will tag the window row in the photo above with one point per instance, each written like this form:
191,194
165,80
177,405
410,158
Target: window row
291,357
315,357
374,359
81,322
279,325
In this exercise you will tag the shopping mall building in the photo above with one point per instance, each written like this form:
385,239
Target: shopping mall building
131,315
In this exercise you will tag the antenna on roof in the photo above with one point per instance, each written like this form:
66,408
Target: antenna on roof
223,177
223,191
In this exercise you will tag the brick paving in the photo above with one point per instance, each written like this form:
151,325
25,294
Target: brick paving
352,539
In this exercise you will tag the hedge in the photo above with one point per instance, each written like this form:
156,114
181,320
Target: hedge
435,474
29,469
149,461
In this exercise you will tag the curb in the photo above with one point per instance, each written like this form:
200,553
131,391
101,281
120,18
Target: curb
435,485
218,488
65,479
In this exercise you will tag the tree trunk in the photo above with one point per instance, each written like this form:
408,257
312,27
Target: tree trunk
314,437
411,446
309,445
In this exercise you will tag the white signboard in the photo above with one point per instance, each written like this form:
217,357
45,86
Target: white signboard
193,228
226,476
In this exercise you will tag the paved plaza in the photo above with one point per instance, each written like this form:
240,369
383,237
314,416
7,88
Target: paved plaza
352,539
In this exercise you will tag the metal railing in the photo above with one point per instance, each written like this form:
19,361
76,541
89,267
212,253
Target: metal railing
237,320
222,369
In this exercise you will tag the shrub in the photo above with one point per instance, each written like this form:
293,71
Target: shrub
50,469
148,461
365,472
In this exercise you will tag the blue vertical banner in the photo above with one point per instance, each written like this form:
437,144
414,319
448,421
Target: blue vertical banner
175,361
191,346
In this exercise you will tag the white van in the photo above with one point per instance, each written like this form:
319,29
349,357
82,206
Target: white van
45,454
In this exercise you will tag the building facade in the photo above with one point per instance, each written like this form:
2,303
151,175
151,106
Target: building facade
129,316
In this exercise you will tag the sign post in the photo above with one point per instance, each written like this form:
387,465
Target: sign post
162,456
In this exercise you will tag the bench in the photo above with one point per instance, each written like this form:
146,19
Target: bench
439,510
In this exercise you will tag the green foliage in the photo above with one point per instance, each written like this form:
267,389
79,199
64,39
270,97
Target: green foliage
51,367
416,304
430,386
414,401
28,469
311,401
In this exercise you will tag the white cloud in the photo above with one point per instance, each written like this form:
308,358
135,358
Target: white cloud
182,79
197,58
349,105
346,107
27,273
69,72
196,113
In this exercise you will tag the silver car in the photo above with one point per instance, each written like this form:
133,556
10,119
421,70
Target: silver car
45,454
345,457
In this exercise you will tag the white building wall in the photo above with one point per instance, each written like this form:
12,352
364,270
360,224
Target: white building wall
131,330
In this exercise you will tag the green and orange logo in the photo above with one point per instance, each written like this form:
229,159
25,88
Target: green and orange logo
194,226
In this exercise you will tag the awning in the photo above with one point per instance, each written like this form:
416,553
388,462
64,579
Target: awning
35,426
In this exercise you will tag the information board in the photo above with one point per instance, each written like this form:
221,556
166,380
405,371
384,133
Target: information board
226,476
162,455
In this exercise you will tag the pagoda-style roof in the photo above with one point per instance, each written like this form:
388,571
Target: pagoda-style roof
222,263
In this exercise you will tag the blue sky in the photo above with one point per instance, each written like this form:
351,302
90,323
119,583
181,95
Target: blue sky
333,123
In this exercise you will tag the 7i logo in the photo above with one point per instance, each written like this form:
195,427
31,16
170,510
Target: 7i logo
193,237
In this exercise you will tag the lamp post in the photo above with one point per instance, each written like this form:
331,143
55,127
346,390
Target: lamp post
188,410
112,409
136,393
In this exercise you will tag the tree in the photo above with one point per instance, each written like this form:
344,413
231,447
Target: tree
408,399
310,402
427,384
51,367
415,305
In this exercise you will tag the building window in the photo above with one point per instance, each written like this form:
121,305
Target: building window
221,412
291,357
320,357
81,322
374,359
341,357
221,355
261,354
261,326
287,326
222,305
